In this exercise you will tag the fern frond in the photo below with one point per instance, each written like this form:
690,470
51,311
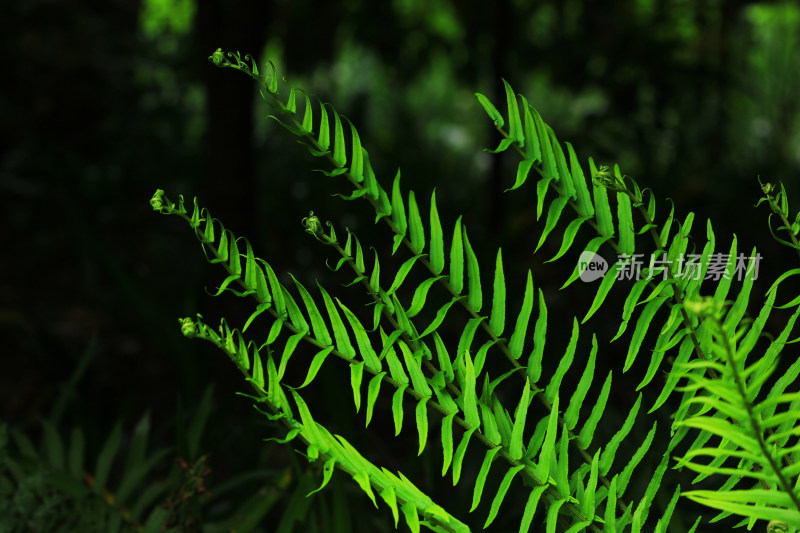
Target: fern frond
753,441
407,378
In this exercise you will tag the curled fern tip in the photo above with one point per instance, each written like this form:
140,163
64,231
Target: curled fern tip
187,327
217,57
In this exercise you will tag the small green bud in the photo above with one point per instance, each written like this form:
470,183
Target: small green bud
704,306
777,526
606,179
157,200
217,57
312,223
767,188
187,327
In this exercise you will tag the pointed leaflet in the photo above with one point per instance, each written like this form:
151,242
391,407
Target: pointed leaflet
390,498
317,323
563,365
402,272
465,342
457,259
587,432
315,365
390,356
458,457
375,277
372,394
443,357
274,331
630,303
625,476
364,344
254,277
611,507
490,430
324,140
517,341
548,160
415,225
339,149
437,238
440,315
310,430
625,221
491,110
398,212
645,319
576,400
514,123
553,215
501,494
534,369
414,367
475,299
288,350
339,332
584,201
532,150
516,447
356,376
356,156
469,396
421,415
447,441
420,295
523,169
397,408
498,319
480,481
502,419
548,447
588,503
565,178
562,465
402,320
569,237
686,349
373,189
295,316
410,514
607,457
258,370
541,191
308,116
605,286
530,508
327,473
666,341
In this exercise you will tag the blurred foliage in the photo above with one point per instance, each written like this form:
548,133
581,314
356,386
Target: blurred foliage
107,100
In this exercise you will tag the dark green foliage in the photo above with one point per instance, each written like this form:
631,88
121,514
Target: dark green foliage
542,441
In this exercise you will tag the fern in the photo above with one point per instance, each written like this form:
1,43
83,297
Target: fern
575,477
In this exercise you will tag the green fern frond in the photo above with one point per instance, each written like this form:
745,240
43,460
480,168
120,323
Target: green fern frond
757,442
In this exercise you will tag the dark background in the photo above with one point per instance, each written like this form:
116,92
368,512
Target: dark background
105,101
